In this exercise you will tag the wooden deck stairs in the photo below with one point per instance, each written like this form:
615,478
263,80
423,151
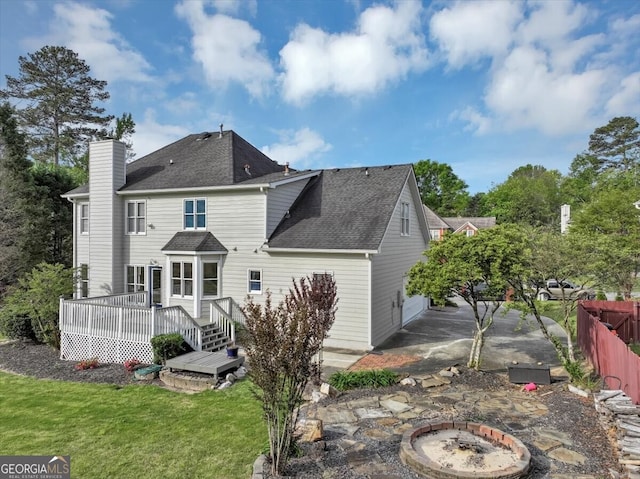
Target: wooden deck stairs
213,338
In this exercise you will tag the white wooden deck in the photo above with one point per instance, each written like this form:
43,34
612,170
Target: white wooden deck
205,362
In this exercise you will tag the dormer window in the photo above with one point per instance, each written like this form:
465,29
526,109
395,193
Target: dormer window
195,214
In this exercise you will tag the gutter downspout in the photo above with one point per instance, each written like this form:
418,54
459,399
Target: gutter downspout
369,300
74,245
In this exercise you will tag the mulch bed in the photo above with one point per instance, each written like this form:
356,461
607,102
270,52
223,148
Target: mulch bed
42,361
383,361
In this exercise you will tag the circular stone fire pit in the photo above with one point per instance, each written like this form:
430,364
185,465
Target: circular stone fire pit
453,450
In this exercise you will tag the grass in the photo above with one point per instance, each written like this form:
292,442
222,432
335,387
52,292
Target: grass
133,431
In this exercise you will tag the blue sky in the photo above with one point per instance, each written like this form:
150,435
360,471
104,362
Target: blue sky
485,86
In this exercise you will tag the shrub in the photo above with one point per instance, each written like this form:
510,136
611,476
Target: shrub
167,346
15,325
373,378
87,364
600,296
37,297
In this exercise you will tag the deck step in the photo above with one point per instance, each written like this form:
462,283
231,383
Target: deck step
215,363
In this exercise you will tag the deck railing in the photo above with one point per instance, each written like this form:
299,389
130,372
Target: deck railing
225,314
117,329
139,299
176,319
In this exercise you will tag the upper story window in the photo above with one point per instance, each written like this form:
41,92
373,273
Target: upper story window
135,279
404,219
435,235
255,281
182,279
136,217
84,218
470,232
195,214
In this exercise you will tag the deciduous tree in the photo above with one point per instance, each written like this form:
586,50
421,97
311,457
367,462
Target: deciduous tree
61,103
530,196
465,265
440,188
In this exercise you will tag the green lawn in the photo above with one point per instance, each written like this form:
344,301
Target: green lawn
136,431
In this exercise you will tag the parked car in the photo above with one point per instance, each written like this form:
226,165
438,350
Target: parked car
553,290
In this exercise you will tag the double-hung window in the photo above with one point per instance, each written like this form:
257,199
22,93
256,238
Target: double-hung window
84,218
210,279
84,281
195,214
181,279
136,217
255,281
404,219
135,279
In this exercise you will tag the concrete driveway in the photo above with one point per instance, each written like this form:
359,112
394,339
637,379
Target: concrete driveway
442,337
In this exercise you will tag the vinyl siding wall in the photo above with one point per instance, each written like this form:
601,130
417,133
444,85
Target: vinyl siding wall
350,271
397,254
105,217
279,200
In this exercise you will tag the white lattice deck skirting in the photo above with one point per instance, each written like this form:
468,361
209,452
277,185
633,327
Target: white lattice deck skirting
76,347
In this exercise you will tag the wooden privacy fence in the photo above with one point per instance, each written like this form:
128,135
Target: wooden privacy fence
622,316
608,353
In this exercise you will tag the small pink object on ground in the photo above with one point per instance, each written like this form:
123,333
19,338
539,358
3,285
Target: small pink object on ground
530,387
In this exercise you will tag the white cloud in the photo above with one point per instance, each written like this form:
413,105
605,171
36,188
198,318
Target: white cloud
227,48
526,93
151,135
626,101
300,148
476,120
386,45
469,31
545,73
88,32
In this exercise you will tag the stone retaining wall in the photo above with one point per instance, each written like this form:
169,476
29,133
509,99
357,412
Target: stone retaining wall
617,411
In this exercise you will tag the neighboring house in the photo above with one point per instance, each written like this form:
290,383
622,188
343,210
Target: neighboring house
210,217
462,225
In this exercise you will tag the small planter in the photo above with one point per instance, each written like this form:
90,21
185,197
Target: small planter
232,351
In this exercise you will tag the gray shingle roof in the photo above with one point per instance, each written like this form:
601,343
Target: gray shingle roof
479,222
435,222
190,241
200,160
343,209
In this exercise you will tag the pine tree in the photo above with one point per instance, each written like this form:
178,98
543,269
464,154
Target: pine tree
61,112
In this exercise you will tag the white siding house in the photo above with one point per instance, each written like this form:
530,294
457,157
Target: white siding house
210,216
